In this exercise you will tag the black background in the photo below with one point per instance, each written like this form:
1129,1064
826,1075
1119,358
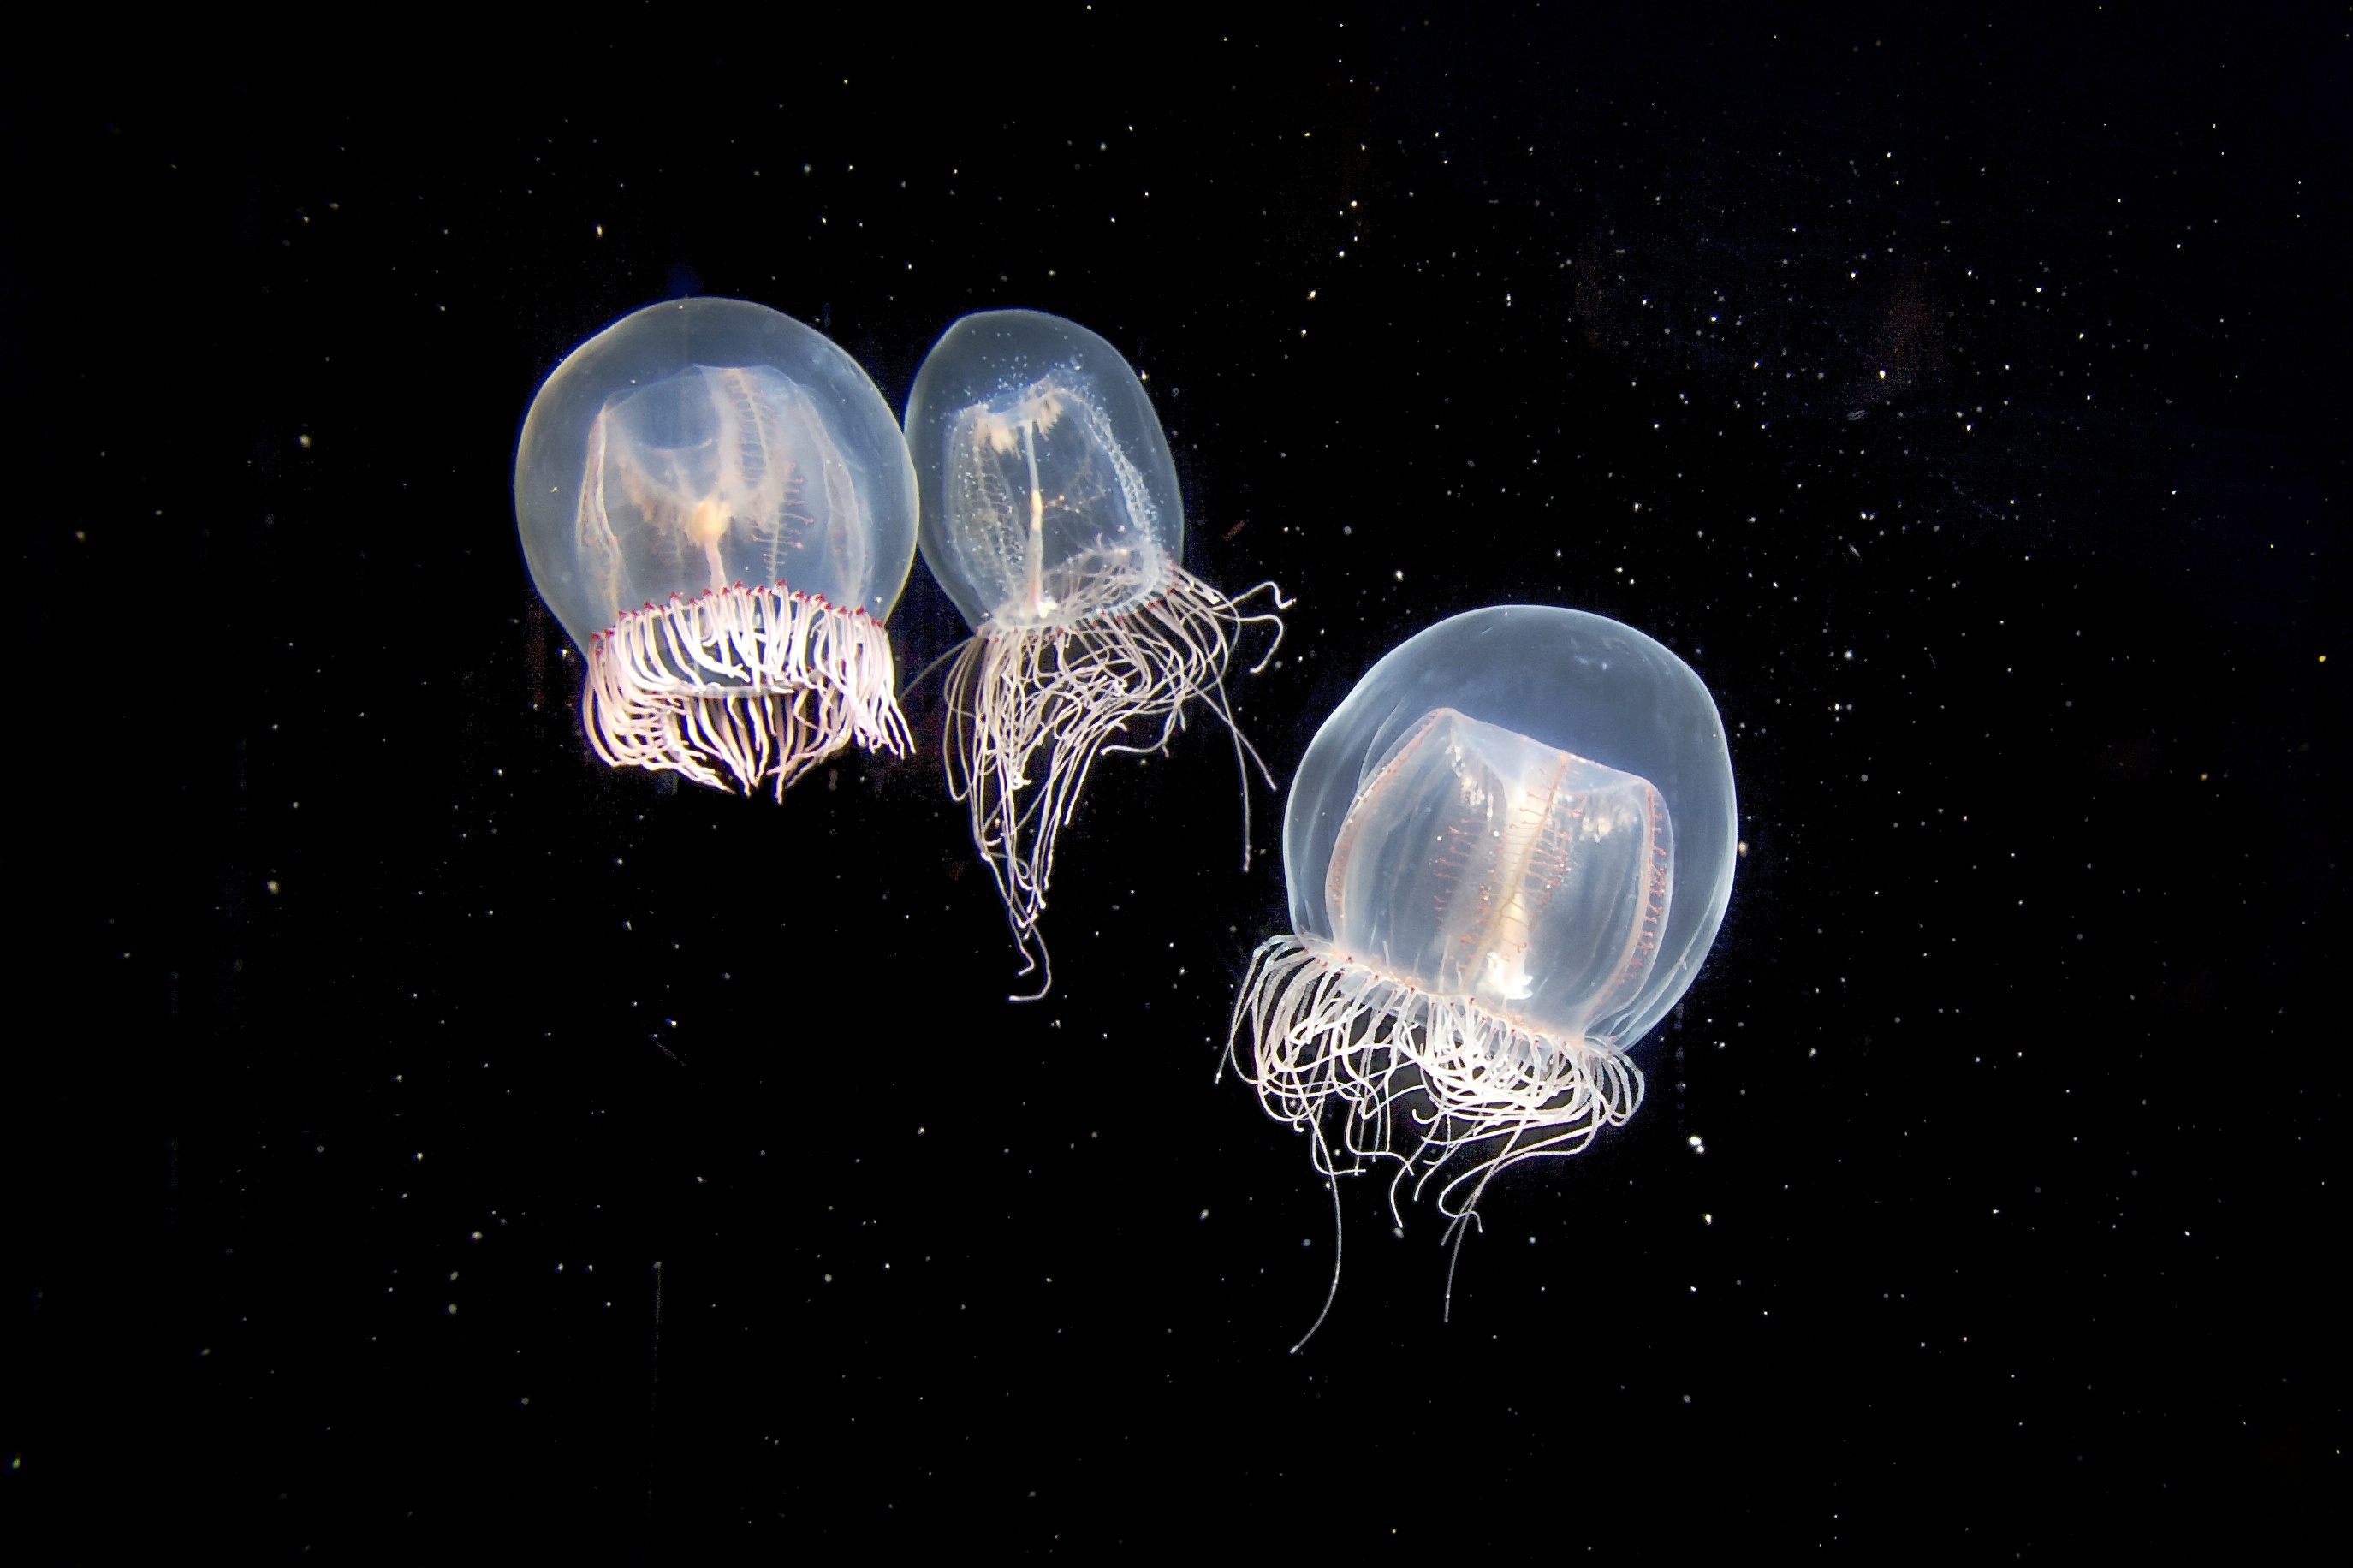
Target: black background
424,1141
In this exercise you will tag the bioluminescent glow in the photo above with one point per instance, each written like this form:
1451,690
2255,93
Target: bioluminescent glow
1050,516
1508,851
716,503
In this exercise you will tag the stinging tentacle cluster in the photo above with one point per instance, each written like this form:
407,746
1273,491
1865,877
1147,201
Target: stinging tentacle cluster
762,682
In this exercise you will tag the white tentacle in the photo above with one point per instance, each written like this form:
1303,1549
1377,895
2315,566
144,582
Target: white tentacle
747,686
1031,707
1449,1091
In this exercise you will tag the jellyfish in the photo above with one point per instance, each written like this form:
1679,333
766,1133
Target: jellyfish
1051,517
1508,851
717,505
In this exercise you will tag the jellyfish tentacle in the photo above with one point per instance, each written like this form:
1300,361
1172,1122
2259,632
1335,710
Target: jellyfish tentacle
1339,1242
1334,1042
1207,631
1032,705
756,686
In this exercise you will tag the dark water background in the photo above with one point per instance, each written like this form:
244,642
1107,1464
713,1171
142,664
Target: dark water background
424,1141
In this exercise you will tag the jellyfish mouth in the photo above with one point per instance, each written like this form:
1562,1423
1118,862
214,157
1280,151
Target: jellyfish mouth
1030,706
1378,1069
750,686
1102,581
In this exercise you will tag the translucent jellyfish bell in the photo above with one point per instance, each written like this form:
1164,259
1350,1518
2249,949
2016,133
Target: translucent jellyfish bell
717,504
1508,852
1050,516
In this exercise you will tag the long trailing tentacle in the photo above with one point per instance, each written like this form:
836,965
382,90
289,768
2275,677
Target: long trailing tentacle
1032,708
749,685
1374,1069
